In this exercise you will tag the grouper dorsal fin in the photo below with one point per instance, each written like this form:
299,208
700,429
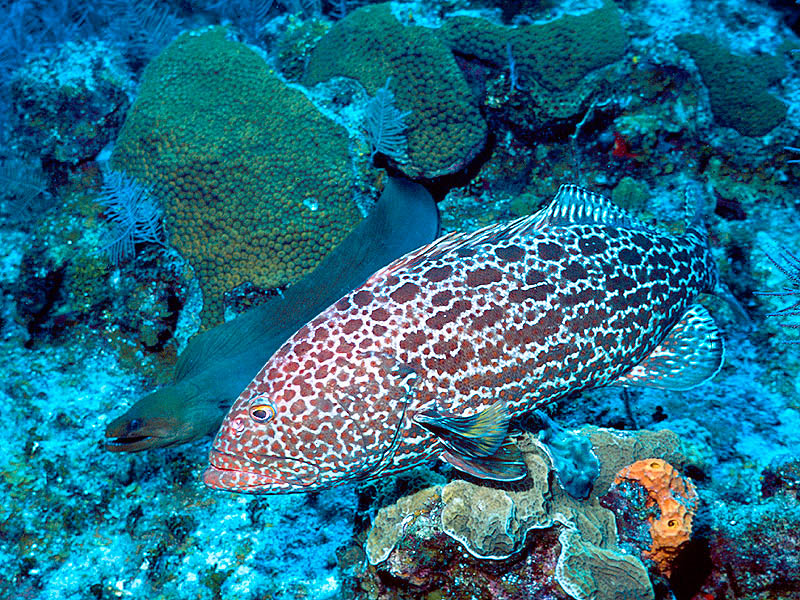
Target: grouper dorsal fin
690,354
573,205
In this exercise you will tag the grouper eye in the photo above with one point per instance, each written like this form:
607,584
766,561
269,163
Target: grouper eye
262,412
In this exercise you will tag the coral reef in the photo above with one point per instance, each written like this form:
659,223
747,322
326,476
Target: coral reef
551,63
631,99
753,551
753,113
70,102
445,128
233,154
542,542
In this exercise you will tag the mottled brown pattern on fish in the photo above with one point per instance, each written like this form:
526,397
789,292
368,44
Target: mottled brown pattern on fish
526,316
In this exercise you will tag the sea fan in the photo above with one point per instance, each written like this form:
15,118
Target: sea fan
133,213
385,125
23,181
789,264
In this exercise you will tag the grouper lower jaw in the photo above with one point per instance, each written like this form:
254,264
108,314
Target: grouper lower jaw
263,474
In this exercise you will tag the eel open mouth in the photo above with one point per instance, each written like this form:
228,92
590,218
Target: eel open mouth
133,443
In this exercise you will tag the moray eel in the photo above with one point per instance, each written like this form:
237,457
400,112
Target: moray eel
217,364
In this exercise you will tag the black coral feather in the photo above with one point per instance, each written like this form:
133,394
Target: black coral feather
385,124
134,215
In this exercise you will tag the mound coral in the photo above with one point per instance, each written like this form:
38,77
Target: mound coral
256,183
549,64
445,129
726,75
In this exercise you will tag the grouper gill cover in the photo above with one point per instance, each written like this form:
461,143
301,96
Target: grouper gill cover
435,353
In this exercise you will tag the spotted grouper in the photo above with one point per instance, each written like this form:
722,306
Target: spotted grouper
436,352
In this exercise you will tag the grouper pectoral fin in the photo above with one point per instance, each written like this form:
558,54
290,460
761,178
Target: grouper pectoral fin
691,354
477,444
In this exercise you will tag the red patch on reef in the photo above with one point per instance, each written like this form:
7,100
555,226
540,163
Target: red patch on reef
345,348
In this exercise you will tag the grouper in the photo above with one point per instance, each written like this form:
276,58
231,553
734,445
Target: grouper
435,354
217,364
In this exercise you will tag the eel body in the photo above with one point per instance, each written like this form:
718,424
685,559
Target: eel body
217,364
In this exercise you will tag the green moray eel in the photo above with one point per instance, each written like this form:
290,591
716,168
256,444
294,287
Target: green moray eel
217,364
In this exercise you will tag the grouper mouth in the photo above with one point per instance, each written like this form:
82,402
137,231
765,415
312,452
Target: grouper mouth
259,474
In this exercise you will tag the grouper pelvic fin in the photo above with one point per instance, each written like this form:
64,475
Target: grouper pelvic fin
506,464
478,435
690,354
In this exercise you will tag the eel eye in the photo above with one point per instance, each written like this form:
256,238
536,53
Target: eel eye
262,412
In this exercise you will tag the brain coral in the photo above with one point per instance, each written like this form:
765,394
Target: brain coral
445,129
255,182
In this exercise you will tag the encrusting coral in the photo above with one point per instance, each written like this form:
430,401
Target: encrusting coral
540,541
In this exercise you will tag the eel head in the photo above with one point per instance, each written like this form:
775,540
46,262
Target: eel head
172,415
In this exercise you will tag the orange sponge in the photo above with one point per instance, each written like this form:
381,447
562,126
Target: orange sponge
677,500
